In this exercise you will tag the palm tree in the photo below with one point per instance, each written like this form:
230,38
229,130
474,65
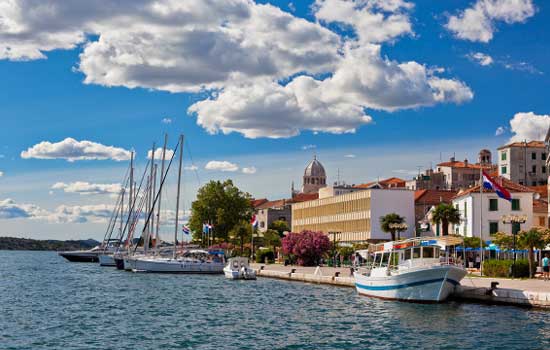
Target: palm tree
536,237
387,220
445,214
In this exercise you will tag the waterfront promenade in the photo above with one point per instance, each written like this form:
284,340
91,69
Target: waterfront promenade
521,292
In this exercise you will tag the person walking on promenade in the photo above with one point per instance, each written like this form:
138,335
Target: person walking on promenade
546,267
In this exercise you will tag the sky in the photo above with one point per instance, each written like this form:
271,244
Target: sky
373,88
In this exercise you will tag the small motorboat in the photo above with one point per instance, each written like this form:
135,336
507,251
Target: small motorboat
238,268
417,269
91,255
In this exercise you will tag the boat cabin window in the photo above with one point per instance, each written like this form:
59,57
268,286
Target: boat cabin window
428,252
385,259
408,254
377,259
416,253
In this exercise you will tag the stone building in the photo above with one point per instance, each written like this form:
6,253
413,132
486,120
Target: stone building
524,163
314,178
463,174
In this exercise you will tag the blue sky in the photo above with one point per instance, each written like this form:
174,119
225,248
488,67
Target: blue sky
92,79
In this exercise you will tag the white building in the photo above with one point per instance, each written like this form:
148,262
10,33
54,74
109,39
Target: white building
472,204
523,162
355,216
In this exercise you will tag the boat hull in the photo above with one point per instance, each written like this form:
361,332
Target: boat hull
433,284
106,260
176,266
237,275
84,256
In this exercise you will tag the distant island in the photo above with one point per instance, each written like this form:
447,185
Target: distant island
12,243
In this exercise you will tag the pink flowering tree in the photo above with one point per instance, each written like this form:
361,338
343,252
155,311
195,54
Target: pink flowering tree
306,248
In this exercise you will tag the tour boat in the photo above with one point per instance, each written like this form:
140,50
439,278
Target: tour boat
238,268
193,261
90,255
417,269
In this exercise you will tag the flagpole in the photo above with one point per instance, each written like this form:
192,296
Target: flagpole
481,220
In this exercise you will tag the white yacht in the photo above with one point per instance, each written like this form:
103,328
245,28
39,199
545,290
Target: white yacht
192,261
90,255
417,269
238,268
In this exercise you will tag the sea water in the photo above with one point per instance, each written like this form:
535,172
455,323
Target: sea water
49,303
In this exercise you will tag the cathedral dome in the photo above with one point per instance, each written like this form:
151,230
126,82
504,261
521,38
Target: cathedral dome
315,168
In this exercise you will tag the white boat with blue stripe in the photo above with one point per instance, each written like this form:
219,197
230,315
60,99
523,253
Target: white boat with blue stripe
421,269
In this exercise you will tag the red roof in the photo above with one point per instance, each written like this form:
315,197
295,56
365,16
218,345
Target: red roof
532,144
540,206
507,184
273,204
432,197
303,197
392,182
458,164
257,202
542,190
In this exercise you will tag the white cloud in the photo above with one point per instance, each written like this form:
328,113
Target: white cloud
374,21
166,121
191,167
306,147
71,150
500,130
249,170
158,154
98,213
9,209
529,126
478,23
349,156
1,173
480,58
221,166
86,188
521,66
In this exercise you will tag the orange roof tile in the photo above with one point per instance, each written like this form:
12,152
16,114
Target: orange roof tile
273,204
542,190
303,197
432,197
391,182
257,202
532,144
507,184
458,164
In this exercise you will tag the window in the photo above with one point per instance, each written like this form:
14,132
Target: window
533,156
534,168
542,221
533,183
427,252
503,156
493,204
543,169
503,170
408,254
416,252
515,204
543,156
493,227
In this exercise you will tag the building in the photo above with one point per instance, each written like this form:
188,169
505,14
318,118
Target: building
354,217
314,177
540,212
392,182
524,163
462,174
424,202
430,180
471,203
270,211
337,190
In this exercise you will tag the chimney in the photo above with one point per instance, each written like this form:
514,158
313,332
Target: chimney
465,161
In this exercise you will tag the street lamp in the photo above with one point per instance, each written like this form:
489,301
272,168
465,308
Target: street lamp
515,221
401,227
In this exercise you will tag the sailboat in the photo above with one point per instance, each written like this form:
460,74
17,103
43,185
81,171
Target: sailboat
189,261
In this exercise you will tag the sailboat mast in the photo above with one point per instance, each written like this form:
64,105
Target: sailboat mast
160,191
121,212
130,201
153,194
178,196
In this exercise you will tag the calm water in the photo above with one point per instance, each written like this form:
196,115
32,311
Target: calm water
48,303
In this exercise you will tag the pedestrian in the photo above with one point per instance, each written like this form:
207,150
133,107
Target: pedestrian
478,261
546,267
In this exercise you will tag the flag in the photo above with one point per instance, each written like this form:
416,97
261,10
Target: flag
254,221
186,230
490,184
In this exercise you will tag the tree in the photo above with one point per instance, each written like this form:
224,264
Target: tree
387,220
241,233
308,247
445,214
503,240
223,205
536,237
280,226
271,239
473,242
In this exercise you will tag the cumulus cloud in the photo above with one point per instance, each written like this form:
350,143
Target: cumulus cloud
374,21
79,214
221,166
237,52
1,173
191,167
166,121
158,154
480,58
478,23
72,150
9,209
249,170
529,126
86,188
500,130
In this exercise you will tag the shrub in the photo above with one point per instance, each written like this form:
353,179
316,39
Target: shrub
307,247
503,268
262,254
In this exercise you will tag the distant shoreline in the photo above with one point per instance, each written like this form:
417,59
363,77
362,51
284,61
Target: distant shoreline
27,244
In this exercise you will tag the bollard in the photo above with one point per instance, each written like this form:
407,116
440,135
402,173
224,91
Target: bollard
337,274
262,267
293,271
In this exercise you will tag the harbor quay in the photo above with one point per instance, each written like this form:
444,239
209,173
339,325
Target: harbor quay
518,292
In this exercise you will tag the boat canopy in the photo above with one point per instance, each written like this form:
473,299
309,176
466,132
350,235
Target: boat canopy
442,241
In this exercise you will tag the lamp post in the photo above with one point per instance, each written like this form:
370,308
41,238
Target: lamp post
401,227
514,220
